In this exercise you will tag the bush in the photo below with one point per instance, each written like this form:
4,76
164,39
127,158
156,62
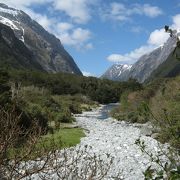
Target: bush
5,94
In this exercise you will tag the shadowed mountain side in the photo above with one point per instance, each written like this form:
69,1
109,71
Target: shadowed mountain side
13,52
169,68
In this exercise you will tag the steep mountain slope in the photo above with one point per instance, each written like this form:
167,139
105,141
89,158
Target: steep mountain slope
45,47
13,52
148,63
143,68
145,65
116,72
169,68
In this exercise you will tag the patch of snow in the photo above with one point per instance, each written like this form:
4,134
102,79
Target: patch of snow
8,22
9,11
22,37
119,73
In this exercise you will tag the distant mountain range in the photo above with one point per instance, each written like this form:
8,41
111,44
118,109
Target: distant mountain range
161,62
26,44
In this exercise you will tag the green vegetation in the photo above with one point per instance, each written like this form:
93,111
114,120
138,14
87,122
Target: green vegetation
169,68
4,88
100,90
158,102
61,138
50,100
65,137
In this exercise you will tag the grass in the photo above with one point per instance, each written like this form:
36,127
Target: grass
63,138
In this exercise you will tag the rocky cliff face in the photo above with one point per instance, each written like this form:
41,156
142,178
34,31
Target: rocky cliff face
46,49
13,52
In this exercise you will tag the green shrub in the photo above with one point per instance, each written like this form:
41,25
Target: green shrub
5,94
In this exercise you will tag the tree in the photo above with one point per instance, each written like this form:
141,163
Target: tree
32,160
5,93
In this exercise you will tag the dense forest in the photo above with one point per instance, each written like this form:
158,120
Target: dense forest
53,97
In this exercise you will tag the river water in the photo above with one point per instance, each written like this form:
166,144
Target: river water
105,110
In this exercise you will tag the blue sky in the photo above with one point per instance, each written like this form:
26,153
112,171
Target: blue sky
99,33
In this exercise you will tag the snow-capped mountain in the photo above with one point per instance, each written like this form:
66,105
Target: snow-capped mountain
146,64
46,49
116,71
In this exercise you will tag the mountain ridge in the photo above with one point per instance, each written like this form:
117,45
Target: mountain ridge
45,47
142,69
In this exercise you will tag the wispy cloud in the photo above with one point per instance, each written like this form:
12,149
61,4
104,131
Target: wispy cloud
121,12
24,3
78,10
176,21
137,29
131,56
76,37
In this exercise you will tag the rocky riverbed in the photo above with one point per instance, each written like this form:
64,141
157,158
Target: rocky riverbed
106,139
118,140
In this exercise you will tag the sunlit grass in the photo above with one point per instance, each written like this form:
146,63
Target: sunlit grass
65,137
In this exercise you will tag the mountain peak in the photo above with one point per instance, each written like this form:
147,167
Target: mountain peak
116,70
46,49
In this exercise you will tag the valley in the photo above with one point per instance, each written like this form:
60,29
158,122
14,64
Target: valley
61,121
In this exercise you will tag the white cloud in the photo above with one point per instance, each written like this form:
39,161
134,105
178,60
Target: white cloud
20,4
85,73
43,20
150,11
176,21
132,56
120,12
158,37
64,26
81,34
68,34
89,46
78,10
76,37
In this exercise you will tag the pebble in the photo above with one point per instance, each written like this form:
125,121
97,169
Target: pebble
118,139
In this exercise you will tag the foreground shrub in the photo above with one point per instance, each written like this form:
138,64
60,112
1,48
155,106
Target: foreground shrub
31,162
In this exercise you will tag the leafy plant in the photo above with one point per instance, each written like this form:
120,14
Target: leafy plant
168,170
